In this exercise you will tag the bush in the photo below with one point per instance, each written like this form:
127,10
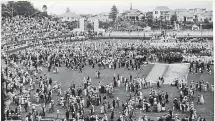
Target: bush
207,26
141,24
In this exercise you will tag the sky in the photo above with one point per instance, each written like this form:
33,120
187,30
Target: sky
95,7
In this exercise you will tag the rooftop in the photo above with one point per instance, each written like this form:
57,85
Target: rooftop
70,14
207,14
197,8
162,8
187,14
133,12
180,10
104,13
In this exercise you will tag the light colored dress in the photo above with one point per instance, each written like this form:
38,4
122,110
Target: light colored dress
118,83
205,87
143,107
159,107
102,109
121,117
202,99
163,108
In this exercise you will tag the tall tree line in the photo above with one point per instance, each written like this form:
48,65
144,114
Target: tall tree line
13,8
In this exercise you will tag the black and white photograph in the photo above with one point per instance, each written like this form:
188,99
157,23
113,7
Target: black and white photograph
107,60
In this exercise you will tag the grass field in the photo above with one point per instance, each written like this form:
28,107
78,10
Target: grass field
67,77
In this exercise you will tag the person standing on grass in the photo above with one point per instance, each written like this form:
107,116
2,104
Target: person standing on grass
117,101
112,115
98,74
26,107
166,97
102,109
80,68
50,107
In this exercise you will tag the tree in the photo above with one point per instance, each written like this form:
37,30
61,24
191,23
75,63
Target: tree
89,26
173,18
72,25
67,10
5,10
44,8
195,21
149,22
18,8
141,24
206,20
149,18
143,18
104,25
113,13
25,8
8,9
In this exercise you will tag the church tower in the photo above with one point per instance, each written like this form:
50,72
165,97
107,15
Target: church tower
130,6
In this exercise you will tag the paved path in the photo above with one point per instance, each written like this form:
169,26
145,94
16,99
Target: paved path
174,71
157,71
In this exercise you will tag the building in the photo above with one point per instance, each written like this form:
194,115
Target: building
185,16
162,13
149,15
206,15
86,15
210,16
132,14
92,19
192,15
70,16
197,10
178,11
104,17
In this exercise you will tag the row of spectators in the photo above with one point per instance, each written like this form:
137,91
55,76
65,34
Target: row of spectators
23,28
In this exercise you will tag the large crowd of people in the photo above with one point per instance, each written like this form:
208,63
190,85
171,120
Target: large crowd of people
20,28
27,89
24,85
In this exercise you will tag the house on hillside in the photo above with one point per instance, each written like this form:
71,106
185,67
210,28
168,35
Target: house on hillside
193,14
104,17
86,15
91,19
197,10
181,14
133,15
207,15
162,13
178,11
70,16
185,16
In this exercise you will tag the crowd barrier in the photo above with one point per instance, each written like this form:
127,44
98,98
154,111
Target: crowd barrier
119,35
149,33
139,34
13,120
48,119
25,46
